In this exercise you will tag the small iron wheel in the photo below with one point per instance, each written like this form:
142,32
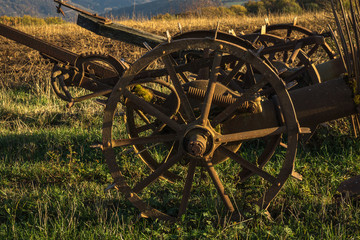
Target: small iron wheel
292,31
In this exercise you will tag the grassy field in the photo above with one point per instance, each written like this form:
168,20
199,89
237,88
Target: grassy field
52,183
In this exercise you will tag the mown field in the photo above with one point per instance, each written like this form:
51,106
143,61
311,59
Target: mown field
52,182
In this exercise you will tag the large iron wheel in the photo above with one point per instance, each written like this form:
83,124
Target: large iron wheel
189,138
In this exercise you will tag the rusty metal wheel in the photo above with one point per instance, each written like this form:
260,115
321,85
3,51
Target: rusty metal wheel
193,134
293,32
288,57
244,42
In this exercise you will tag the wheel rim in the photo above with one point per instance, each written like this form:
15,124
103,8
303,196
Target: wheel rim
181,132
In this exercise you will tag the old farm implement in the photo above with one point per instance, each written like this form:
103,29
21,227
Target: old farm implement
198,101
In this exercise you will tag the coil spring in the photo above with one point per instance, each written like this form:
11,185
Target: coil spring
221,100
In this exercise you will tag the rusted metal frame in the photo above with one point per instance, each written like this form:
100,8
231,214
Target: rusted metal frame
290,45
234,106
243,136
56,53
79,10
248,165
219,186
187,188
192,66
157,173
150,109
209,95
274,81
144,140
185,104
119,32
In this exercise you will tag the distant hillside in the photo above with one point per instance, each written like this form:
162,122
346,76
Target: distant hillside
150,9
167,6
46,8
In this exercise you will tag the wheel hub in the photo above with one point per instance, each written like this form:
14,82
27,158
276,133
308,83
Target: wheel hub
198,142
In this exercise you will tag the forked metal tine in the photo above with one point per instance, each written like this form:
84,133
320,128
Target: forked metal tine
267,22
342,37
295,21
334,37
352,68
217,30
168,36
180,28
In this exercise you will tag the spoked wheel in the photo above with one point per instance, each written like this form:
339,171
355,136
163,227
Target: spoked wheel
294,66
183,124
292,32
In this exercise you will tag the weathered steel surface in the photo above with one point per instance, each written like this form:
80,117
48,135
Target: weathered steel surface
46,48
119,32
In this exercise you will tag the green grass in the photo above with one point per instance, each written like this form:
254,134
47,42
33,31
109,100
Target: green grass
52,184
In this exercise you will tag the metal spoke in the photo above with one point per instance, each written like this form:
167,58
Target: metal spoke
142,116
150,109
182,75
187,188
243,136
268,152
313,50
211,87
233,72
157,173
219,186
144,140
288,34
249,76
144,128
185,104
247,164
